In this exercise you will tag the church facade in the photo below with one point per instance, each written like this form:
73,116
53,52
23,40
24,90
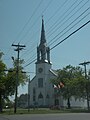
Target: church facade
41,88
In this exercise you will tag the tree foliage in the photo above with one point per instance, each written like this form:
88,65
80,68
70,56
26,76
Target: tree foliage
12,77
8,79
2,79
2,74
22,100
74,82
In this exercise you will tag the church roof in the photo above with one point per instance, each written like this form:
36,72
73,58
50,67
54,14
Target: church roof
33,78
54,72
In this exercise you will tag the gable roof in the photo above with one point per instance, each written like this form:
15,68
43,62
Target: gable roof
33,78
54,72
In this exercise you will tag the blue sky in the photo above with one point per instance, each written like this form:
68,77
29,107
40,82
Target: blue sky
20,21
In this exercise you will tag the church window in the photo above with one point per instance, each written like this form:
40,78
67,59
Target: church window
40,96
34,98
34,94
40,54
47,96
56,102
34,91
40,82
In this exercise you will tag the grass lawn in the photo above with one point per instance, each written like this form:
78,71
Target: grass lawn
42,111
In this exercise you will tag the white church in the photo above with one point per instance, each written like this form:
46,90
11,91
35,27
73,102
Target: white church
42,92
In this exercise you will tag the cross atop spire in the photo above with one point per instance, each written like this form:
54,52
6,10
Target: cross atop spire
43,39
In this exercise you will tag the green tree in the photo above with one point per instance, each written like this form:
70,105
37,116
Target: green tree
74,83
2,80
8,79
12,76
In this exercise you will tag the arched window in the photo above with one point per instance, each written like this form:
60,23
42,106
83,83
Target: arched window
40,96
34,91
47,96
34,94
40,82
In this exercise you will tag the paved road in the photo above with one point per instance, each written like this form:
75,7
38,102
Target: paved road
68,116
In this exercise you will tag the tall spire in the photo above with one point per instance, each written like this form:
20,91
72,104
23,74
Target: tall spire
43,52
43,39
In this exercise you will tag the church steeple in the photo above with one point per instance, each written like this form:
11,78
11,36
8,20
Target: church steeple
43,39
43,52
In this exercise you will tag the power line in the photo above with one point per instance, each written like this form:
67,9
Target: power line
70,34
30,63
57,11
36,20
70,12
28,21
63,40
65,15
68,9
26,24
69,29
29,51
49,3
63,5
71,26
68,18
33,56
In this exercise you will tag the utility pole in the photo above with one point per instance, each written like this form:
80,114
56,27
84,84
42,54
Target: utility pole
19,47
84,64
29,94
